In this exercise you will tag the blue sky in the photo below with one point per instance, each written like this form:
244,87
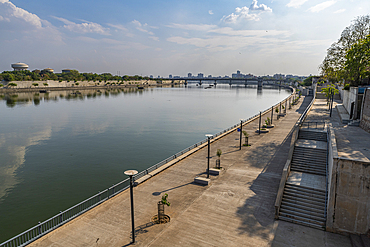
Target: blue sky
162,37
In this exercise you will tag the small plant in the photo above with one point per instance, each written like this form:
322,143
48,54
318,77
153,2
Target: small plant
12,84
77,83
346,87
246,135
35,84
1,85
283,107
45,84
268,121
219,152
277,110
164,200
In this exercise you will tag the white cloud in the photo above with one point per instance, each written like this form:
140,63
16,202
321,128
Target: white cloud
85,27
296,3
339,11
121,28
261,7
251,13
142,27
210,12
194,27
321,6
9,10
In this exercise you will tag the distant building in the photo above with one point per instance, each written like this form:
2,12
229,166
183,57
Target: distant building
200,75
279,76
237,75
19,66
170,76
209,76
190,75
48,70
151,76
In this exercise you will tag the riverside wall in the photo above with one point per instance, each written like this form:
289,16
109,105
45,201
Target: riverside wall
75,85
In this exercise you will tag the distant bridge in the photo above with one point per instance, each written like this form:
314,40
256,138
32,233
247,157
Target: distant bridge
231,81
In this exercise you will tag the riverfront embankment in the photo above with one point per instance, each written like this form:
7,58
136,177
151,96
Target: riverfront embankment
237,209
50,85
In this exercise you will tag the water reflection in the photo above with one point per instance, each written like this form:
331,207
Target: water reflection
27,98
13,147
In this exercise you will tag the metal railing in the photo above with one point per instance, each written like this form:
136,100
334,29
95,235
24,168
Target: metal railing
63,217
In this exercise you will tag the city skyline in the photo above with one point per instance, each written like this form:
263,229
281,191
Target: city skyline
162,38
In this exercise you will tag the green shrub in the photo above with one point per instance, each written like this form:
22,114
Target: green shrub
45,84
77,83
346,87
12,84
35,84
1,85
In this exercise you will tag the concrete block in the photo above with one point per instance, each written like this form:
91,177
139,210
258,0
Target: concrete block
202,181
214,171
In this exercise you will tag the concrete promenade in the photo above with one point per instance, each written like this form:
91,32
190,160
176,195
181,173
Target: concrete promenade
237,209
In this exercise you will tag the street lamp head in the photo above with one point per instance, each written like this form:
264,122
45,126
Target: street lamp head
130,172
209,135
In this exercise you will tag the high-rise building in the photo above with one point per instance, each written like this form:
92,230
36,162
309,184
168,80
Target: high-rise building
190,75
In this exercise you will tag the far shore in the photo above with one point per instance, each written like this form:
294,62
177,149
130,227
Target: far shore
29,86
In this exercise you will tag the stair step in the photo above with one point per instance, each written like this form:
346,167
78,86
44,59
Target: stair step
306,215
308,207
303,201
300,187
309,167
302,218
313,150
317,199
309,156
304,204
305,189
300,222
293,208
308,171
306,164
299,192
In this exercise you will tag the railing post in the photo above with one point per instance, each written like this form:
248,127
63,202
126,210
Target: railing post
61,217
39,228
272,113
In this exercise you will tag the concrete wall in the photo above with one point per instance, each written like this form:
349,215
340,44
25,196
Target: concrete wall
348,97
348,207
365,111
51,83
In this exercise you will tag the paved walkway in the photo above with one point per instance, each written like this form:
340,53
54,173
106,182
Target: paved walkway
237,209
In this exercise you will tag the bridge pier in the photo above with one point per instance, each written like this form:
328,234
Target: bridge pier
260,82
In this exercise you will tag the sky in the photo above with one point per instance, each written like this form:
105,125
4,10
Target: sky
162,37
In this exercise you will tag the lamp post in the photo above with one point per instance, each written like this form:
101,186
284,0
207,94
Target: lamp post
241,130
209,149
259,125
131,173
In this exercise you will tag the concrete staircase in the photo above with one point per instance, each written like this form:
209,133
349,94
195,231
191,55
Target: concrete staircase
306,205
303,205
309,160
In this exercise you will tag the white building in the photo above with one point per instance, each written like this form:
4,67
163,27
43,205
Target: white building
19,66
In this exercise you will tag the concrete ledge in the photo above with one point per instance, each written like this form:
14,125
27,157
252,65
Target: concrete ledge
343,114
214,171
142,179
202,181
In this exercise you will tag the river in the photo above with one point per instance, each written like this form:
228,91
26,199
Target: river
59,148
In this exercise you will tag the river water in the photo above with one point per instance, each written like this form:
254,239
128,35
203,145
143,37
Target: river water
60,148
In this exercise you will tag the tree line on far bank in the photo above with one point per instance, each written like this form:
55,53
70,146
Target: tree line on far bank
348,59
73,75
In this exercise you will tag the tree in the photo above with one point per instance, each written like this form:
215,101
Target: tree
8,77
333,66
357,62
